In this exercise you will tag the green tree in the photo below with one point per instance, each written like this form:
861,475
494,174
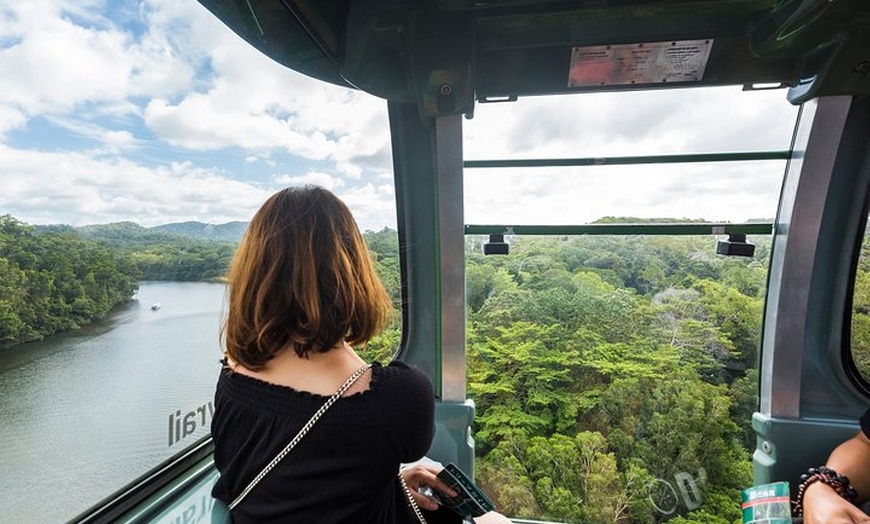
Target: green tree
524,386
686,325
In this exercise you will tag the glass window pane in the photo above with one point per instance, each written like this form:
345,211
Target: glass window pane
614,377
136,141
686,121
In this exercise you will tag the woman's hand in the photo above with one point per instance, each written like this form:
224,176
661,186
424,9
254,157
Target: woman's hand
822,505
420,476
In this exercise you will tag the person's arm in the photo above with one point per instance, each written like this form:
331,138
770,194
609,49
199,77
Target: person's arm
822,504
852,459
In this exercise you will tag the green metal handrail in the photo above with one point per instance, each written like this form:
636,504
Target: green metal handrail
628,160
681,228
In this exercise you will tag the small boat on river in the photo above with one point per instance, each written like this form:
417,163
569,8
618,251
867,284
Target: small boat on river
155,306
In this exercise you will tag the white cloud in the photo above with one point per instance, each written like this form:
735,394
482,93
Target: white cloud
78,189
53,65
58,64
252,102
113,140
323,180
118,138
11,118
373,207
200,122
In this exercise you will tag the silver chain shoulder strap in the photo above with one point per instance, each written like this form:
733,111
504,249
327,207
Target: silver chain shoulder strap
314,418
411,500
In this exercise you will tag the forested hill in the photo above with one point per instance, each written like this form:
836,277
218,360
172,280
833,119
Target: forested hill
56,278
123,234
228,232
161,254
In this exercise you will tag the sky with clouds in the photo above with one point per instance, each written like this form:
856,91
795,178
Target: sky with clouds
154,112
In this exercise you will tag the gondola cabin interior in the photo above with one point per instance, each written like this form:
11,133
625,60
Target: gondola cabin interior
440,65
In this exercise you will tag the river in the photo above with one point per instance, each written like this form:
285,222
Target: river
85,413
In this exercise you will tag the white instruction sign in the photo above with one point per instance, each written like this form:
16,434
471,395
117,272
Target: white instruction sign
643,63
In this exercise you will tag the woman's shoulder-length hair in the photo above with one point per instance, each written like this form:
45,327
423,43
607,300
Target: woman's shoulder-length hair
301,278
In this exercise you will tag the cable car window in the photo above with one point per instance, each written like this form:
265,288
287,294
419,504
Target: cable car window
615,376
136,140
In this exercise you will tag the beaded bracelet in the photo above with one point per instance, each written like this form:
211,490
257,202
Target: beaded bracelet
825,475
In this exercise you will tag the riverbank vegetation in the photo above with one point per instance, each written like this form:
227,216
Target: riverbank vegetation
52,280
56,278
163,255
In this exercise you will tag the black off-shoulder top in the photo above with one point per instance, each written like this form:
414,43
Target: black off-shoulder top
344,470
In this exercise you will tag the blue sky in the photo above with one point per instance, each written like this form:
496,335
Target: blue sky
155,112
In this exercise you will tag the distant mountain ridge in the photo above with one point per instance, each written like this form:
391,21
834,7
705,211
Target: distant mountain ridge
228,232
186,252
127,234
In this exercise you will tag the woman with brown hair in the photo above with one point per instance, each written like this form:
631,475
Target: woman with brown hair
302,293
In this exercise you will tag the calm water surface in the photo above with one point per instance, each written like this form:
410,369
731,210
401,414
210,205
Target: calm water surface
85,413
